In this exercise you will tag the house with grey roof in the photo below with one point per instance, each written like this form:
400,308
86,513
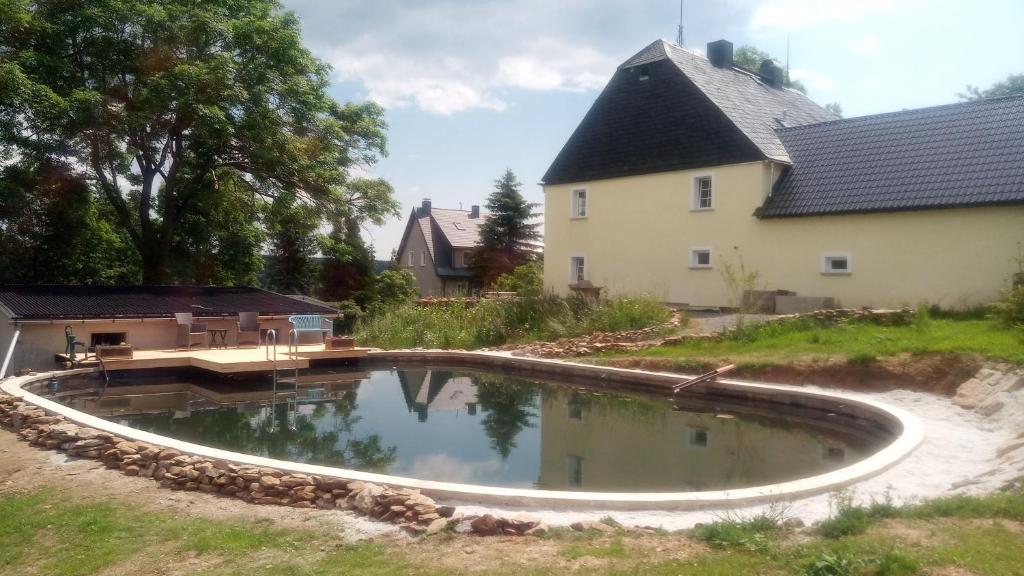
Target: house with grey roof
436,247
690,172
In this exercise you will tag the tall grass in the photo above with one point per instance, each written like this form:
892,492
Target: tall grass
495,322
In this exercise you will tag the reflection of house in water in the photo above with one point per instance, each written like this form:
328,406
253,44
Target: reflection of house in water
590,443
428,391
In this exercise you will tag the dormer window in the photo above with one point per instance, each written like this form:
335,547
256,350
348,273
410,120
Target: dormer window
644,73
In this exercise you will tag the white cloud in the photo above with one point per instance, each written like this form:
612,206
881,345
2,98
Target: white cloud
813,80
451,56
796,14
866,46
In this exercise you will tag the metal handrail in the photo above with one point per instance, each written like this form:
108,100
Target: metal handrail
106,377
10,354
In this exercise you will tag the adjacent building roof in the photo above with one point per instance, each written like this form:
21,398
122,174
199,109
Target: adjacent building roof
68,302
667,108
458,228
966,154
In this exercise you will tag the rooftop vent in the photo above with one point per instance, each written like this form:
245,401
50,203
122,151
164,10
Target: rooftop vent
772,73
720,53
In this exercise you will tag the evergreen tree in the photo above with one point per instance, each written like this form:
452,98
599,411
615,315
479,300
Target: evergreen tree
508,236
347,270
292,267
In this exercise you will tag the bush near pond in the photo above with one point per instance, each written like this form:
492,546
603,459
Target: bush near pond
468,325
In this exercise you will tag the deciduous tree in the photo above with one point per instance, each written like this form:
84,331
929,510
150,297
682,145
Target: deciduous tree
154,102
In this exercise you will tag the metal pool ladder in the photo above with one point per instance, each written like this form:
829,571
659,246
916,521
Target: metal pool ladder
271,354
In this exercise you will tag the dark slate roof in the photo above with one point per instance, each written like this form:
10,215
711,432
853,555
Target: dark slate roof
687,114
966,154
52,302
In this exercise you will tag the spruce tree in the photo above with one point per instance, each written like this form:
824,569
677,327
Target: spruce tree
507,236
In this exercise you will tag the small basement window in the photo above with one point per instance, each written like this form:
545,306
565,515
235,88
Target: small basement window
107,338
838,263
703,194
579,203
700,257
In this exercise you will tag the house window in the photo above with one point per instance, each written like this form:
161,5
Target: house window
644,73
423,258
460,259
575,407
107,338
698,437
703,196
574,465
700,257
577,269
579,203
836,263
411,252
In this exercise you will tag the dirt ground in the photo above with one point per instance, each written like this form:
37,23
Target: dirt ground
933,373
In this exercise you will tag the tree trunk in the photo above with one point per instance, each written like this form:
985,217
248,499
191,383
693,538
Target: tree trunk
154,262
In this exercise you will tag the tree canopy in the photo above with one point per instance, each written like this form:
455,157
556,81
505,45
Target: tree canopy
750,57
1012,85
508,235
184,116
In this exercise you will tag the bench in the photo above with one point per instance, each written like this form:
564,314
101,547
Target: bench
310,323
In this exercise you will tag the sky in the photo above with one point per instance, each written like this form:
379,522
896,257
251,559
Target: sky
474,87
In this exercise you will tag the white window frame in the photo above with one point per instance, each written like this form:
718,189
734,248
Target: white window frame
572,269
694,250
574,212
412,254
695,193
826,263
423,258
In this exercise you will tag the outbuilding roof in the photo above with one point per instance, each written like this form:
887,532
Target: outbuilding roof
68,302
957,155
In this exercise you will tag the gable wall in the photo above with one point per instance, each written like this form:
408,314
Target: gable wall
428,283
639,231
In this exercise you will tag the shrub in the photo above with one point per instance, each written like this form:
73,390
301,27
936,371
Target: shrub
526,280
1010,310
461,324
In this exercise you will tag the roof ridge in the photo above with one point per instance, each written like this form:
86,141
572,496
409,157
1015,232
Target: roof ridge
905,111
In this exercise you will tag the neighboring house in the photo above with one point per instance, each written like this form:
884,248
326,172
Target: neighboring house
436,248
687,167
142,316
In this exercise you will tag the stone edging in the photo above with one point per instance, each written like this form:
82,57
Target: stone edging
906,428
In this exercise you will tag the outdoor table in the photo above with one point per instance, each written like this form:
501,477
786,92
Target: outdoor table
223,333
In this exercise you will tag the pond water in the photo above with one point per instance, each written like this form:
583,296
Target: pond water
459,425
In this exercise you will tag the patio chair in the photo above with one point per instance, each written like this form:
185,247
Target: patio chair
248,328
189,331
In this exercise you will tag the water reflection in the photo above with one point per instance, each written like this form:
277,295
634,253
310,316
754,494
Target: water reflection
467,426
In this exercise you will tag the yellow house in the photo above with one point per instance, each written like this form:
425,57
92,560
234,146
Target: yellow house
689,170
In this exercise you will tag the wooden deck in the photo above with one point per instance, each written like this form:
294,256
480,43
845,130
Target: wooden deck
223,360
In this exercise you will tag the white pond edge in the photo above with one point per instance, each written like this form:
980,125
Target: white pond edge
907,440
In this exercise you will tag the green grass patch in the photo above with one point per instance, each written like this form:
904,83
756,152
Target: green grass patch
752,534
611,549
858,342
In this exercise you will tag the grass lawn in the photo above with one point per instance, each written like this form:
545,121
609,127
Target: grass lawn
47,533
782,343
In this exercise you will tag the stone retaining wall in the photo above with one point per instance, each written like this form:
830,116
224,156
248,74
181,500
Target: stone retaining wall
413,512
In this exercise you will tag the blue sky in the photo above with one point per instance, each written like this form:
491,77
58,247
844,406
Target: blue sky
474,87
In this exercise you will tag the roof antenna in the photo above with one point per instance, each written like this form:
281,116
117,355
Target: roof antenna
679,33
